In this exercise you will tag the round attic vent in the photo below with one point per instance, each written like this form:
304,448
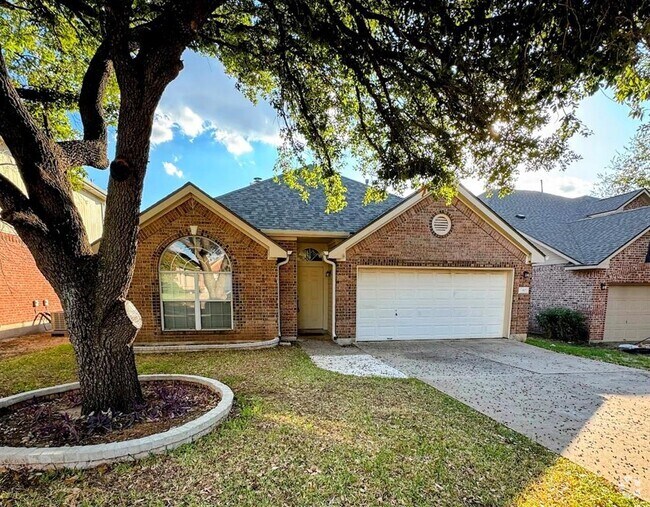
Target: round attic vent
441,224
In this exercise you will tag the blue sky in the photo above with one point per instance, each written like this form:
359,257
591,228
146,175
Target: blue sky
208,133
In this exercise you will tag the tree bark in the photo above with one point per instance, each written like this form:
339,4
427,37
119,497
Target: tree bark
108,377
93,287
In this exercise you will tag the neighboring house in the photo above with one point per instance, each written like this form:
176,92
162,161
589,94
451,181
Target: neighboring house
260,263
24,292
598,257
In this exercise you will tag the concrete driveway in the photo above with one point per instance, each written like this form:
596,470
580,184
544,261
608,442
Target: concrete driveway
593,413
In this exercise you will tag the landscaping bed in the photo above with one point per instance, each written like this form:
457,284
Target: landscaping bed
56,420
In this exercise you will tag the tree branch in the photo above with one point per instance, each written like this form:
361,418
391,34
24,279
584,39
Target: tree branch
25,140
51,204
16,208
92,149
46,96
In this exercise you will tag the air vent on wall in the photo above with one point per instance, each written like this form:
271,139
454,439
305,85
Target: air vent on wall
441,224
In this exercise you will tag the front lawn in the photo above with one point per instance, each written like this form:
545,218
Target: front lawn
605,353
301,436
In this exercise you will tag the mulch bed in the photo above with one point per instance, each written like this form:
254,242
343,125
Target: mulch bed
56,420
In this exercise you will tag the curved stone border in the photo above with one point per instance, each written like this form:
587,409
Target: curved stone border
88,456
199,347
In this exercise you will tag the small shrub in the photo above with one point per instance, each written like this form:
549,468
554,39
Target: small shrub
563,324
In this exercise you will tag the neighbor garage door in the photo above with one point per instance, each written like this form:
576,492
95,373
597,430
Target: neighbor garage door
424,304
628,313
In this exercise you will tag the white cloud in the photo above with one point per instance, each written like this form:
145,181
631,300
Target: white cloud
555,183
234,143
204,99
190,123
474,185
184,119
172,170
162,129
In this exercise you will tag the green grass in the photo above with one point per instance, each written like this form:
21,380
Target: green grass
605,353
302,436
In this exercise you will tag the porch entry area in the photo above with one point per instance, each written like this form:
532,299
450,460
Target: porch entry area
314,290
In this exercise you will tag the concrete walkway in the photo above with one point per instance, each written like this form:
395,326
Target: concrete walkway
347,360
593,413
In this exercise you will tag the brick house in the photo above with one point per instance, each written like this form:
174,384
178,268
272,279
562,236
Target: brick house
597,257
24,291
259,264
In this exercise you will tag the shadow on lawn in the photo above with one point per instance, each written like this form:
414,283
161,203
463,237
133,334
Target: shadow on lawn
301,436
591,412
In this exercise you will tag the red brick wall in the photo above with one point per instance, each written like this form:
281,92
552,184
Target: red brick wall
254,277
639,202
289,291
21,283
554,286
408,241
580,290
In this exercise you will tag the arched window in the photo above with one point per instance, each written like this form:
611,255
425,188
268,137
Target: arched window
195,285
310,254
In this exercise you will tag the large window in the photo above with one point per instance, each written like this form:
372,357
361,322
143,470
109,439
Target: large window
195,285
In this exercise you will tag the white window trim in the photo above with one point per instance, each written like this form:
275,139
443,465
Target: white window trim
197,303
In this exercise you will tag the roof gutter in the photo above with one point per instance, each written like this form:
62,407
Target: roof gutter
602,265
304,234
279,265
333,264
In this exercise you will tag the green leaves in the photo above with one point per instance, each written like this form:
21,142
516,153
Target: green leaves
411,93
47,50
629,170
633,84
432,91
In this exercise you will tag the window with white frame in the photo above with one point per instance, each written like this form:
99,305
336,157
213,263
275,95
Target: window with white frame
195,285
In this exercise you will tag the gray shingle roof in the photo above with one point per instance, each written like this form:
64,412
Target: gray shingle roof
271,205
567,225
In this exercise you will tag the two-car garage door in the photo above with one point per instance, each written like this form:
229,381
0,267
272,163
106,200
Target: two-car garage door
421,304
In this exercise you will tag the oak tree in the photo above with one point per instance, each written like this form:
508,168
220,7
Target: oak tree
412,91
630,169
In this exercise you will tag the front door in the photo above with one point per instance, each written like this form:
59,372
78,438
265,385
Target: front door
310,296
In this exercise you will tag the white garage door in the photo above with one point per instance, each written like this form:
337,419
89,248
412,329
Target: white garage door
628,313
424,304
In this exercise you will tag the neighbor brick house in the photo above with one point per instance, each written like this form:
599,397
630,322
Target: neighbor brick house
260,264
597,257
24,291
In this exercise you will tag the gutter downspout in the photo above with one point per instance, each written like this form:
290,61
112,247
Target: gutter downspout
333,264
281,263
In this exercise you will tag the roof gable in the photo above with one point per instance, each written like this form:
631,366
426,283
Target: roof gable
483,211
190,190
273,206
586,230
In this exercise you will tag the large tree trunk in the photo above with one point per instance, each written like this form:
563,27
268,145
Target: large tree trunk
107,374
104,350
92,286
